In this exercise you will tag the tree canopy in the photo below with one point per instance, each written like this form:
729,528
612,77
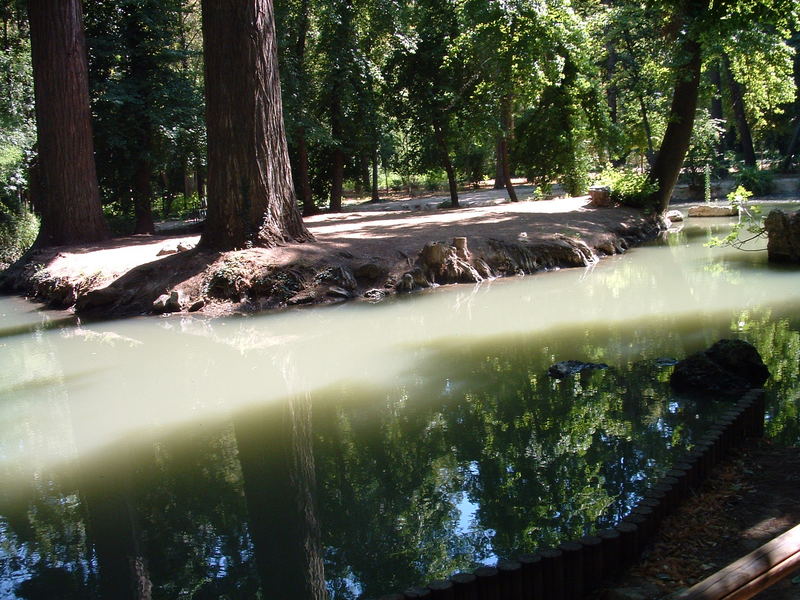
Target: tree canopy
382,96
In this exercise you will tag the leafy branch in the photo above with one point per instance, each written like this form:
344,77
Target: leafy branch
750,221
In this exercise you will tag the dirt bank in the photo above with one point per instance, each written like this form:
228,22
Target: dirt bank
363,253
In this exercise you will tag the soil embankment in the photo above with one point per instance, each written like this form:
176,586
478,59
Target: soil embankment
359,254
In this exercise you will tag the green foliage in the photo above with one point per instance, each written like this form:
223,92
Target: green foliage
750,221
146,92
759,182
628,187
18,231
703,148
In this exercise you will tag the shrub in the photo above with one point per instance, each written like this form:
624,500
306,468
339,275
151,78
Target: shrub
628,187
18,231
758,182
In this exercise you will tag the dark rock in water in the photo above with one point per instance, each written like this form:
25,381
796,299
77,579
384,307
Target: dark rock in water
783,235
727,367
375,295
565,368
664,362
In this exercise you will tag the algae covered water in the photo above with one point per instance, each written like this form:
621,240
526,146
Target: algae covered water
424,433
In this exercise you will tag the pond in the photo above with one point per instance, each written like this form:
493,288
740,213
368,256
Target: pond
382,445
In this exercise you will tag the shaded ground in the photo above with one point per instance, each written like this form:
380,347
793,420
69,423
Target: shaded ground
749,500
364,251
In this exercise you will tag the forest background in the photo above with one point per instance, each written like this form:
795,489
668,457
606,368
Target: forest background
415,95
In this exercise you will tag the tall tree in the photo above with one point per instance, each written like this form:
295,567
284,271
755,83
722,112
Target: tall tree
740,114
70,200
294,31
720,26
431,89
669,160
251,197
145,101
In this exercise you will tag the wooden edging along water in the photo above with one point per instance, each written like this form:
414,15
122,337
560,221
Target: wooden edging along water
579,566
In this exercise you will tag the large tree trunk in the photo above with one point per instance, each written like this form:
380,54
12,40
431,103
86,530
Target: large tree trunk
141,70
375,196
304,183
499,178
143,198
250,192
70,199
669,160
276,455
441,141
337,179
739,113
507,119
337,158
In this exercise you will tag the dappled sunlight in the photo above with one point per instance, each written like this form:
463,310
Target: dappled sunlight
116,257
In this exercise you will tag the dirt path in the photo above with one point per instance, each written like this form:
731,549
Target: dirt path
369,250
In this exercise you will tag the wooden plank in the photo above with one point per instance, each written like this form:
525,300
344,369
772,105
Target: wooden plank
765,580
767,562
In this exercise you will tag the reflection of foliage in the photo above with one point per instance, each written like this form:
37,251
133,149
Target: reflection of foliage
778,342
388,487
195,518
540,461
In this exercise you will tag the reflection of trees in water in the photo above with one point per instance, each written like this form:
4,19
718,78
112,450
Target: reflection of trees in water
388,478
778,342
537,461
198,540
277,460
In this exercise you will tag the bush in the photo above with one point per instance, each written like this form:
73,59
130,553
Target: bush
18,231
628,187
758,182
435,180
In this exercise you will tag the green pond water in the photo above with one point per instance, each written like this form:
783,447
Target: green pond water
420,436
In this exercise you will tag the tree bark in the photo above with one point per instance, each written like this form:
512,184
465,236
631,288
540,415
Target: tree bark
143,198
448,165
507,119
337,157
304,185
251,197
740,114
141,71
365,176
669,160
499,178
375,193
306,197
70,198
